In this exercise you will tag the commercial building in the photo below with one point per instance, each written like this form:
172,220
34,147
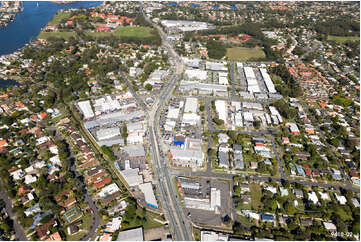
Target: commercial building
132,177
221,109
191,119
216,66
173,113
108,133
105,104
183,25
86,109
275,113
191,62
197,74
188,155
215,198
191,105
213,236
268,81
203,88
252,84
134,151
147,190
223,78
131,235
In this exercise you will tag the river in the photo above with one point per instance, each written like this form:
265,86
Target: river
28,23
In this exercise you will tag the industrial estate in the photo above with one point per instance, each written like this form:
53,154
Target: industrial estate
186,121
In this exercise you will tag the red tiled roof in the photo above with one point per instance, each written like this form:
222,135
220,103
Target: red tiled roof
102,182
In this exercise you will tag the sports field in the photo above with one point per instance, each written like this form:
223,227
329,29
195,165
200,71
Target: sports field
46,35
244,54
58,17
342,39
127,31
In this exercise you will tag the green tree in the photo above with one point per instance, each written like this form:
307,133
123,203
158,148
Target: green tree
148,87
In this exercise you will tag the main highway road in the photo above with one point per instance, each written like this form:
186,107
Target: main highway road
172,210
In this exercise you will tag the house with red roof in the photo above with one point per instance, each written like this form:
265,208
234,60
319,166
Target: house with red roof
102,182
102,29
308,170
3,143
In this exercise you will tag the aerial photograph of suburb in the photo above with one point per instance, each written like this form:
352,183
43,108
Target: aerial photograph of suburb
180,120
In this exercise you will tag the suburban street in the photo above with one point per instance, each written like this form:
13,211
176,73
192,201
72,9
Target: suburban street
19,231
87,197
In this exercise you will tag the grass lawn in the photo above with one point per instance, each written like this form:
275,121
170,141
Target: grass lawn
127,31
84,228
245,221
148,224
256,195
244,54
342,39
46,35
59,17
196,234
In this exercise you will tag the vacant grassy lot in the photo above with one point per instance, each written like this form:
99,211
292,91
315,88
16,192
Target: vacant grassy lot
58,17
46,35
127,31
139,220
244,54
256,195
342,39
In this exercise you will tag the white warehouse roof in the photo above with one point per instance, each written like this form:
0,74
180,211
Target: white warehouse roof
173,113
107,133
268,81
149,197
216,66
196,74
86,109
251,80
191,105
221,109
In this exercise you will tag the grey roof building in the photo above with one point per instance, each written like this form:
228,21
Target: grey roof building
131,235
135,150
238,162
223,159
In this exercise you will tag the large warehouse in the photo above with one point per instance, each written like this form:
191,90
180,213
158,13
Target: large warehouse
221,109
147,190
191,105
268,81
196,74
251,80
86,109
108,133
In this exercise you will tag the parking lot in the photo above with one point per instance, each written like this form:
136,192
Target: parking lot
201,216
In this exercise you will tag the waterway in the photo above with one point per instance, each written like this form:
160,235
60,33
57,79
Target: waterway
4,83
29,22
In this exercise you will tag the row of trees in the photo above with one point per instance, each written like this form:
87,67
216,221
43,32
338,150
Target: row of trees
340,27
287,86
216,49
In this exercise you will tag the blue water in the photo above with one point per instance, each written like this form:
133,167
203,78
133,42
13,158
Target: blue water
4,83
28,23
